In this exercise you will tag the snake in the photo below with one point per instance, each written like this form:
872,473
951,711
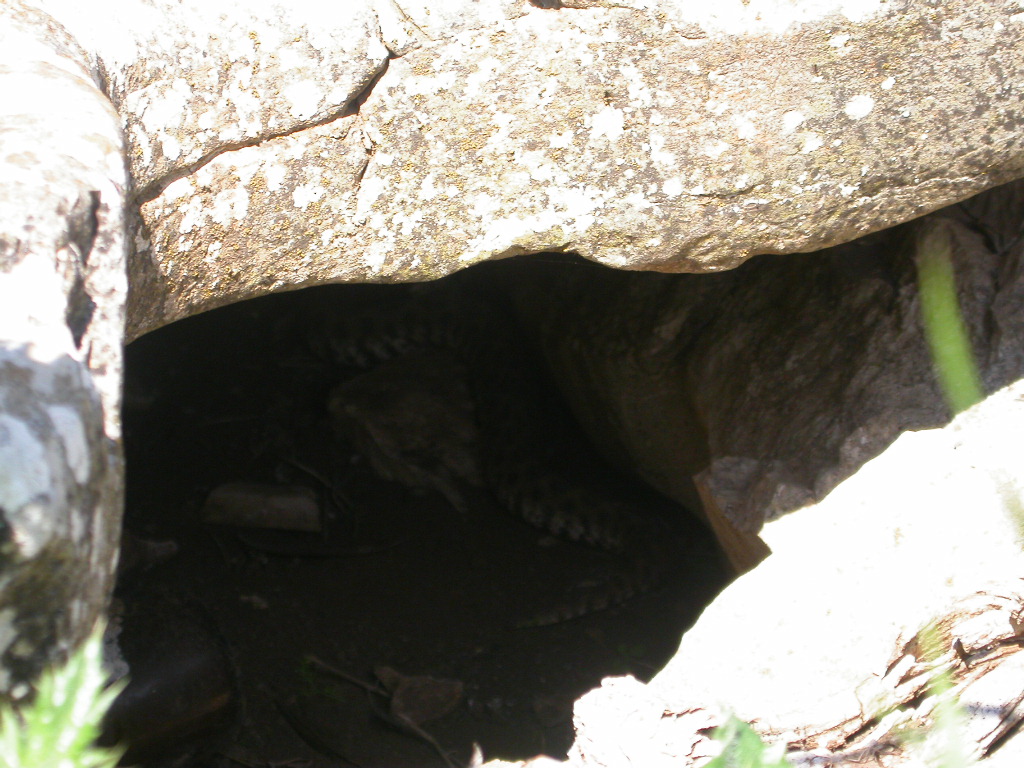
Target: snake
443,391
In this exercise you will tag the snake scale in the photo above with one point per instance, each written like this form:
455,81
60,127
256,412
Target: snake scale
444,392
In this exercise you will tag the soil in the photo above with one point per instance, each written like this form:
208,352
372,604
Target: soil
223,636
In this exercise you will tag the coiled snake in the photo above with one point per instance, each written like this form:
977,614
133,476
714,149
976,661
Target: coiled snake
444,393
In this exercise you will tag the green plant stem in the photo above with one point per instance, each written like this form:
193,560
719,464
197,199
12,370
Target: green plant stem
943,323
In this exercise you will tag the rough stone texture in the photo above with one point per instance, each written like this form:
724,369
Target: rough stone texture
771,383
818,639
62,294
275,146
195,79
837,362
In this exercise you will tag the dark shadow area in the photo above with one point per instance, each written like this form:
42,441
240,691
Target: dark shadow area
222,622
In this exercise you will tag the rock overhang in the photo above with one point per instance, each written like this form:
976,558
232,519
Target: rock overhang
383,143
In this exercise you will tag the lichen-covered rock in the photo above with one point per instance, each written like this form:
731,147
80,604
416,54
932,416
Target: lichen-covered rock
62,294
275,146
771,383
272,146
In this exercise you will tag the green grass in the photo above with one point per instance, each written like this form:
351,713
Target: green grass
944,326
743,748
58,728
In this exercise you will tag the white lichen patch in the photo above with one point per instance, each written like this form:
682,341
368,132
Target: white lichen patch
244,107
541,168
205,121
179,189
436,83
370,191
68,425
213,251
32,306
812,141
791,120
497,141
428,188
25,480
839,42
407,222
609,122
508,230
305,194
274,175
716,149
159,109
639,93
24,472
483,75
745,128
561,139
192,217
673,187
230,205
713,106
859,106
666,161
580,205
304,99
375,256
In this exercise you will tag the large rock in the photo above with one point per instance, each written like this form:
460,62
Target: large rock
62,296
771,383
273,146
280,145
908,569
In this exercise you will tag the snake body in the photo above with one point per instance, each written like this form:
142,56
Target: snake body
447,395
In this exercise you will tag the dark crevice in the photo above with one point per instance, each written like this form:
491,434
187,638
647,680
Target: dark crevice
79,311
395,578
83,225
353,394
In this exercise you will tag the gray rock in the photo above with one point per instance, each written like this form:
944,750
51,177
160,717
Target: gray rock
756,391
828,633
276,146
62,295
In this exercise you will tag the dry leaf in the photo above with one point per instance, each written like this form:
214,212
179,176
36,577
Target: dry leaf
419,698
